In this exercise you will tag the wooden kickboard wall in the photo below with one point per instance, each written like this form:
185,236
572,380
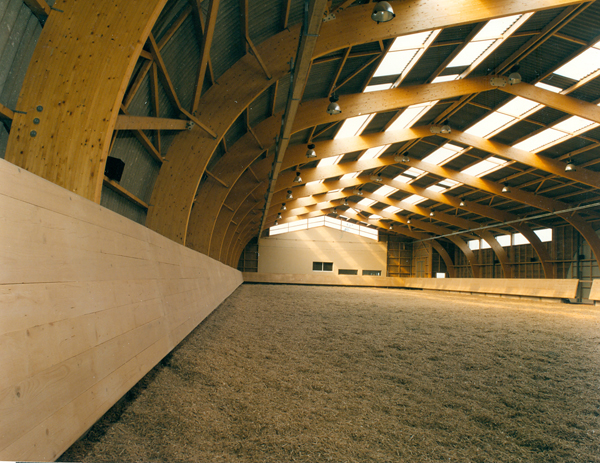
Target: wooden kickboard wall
530,287
89,303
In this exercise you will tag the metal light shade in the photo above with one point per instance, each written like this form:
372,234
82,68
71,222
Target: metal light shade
289,195
505,189
358,192
446,129
462,203
514,78
283,208
333,108
570,167
276,223
408,221
383,12
310,153
279,216
298,179
431,214
376,178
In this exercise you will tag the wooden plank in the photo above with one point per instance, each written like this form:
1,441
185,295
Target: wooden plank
595,291
91,302
6,113
123,192
125,122
39,8
207,37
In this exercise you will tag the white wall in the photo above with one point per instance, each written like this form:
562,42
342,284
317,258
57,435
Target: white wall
295,252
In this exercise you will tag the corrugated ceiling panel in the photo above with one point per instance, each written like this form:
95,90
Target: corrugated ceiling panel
319,80
122,206
283,90
182,58
168,16
228,46
581,27
140,170
296,12
265,19
3,140
260,108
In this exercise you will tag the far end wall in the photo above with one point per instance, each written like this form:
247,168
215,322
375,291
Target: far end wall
295,252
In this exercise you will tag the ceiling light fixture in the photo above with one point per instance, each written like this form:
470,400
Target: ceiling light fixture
462,202
570,167
376,178
297,179
514,77
276,223
289,195
383,12
404,158
391,227
283,208
408,221
345,201
444,128
279,216
505,188
431,214
358,192
311,151
334,107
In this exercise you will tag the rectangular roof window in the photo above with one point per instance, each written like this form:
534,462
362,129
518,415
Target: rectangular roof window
484,167
394,63
436,188
470,53
366,202
550,88
449,183
410,116
490,124
373,153
353,126
349,176
539,140
330,161
377,88
582,65
385,190
518,106
449,78
440,156
495,28
413,172
408,42
573,124
392,209
403,178
414,199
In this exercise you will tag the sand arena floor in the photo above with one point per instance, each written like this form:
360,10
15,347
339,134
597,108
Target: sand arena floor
305,373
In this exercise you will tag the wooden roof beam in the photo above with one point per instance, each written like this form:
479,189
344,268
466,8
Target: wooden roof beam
207,38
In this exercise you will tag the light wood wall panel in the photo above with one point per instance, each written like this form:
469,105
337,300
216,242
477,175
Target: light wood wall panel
89,302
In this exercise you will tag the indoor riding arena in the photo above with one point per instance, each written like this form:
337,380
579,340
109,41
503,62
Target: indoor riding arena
300,230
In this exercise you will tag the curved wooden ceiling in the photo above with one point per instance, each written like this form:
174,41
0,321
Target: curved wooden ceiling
215,191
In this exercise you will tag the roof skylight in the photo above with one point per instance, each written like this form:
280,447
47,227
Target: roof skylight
377,88
470,53
385,190
373,153
350,175
394,63
410,116
392,209
484,167
443,155
330,161
582,65
495,28
414,199
490,125
366,202
448,78
353,126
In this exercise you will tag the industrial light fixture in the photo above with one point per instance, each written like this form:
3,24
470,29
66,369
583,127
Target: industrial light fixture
334,107
283,208
276,223
279,216
358,192
311,151
297,179
383,12
408,221
334,210
570,167
431,214
391,227
505,188
376,178
514,77
404,158
444,128
289,195
462,202
345,201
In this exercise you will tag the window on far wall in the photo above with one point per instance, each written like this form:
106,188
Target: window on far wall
373,273
347,271
322,266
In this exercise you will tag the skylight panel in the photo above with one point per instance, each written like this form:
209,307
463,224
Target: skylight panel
540,140
473,245
385,190
392,210
573,124
414,199
402,178
408,42
495,28
440,156
315,182
448,78
394,63
518,106
375,217
410,116
470,53
352,126
349,176
436,188
413,172
490,124
550,88
366,202
373,153
484,167
377,88
503,240
330,161
449,183
582,65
